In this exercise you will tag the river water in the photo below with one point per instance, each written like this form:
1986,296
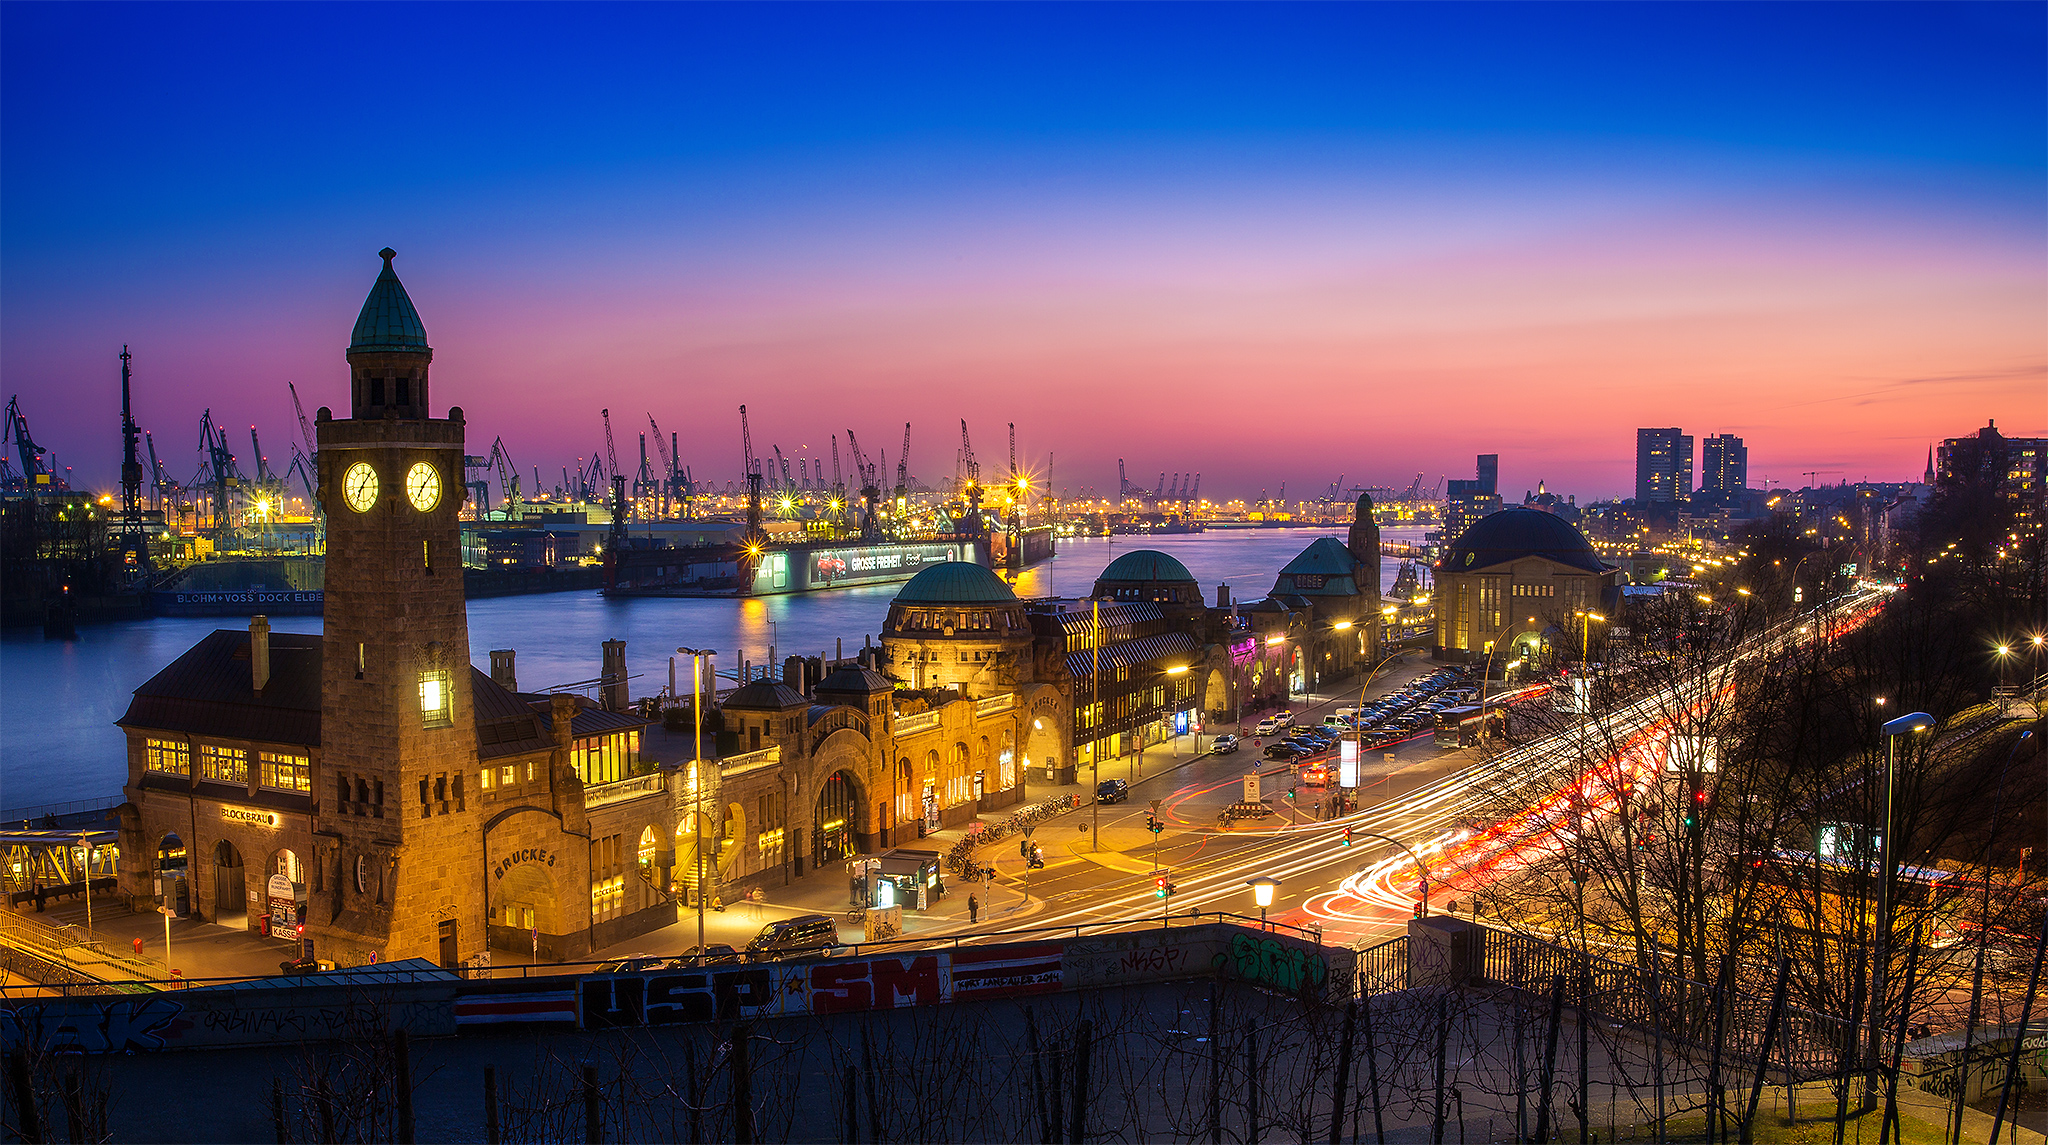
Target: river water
59,699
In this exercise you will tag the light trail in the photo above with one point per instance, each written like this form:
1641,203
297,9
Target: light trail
1383,888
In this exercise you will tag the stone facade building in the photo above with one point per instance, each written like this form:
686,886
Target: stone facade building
1515,581
398,802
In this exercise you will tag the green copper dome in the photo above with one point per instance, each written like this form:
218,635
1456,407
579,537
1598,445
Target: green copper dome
388,321
1146,565
956,582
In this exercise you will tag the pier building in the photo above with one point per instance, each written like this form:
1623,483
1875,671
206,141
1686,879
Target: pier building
1522,579
368,788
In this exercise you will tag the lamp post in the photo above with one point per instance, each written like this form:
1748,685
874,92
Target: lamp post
697,656
1359,717
1262,894
85,841
1887,858
1095,745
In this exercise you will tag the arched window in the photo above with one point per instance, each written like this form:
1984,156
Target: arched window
647,838
957,787
905,797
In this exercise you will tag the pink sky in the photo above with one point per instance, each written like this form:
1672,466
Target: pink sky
1373,315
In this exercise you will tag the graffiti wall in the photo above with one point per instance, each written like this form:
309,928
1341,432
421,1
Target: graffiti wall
435,1002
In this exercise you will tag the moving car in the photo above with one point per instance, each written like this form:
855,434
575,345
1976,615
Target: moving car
1224,745
804,934
1112,791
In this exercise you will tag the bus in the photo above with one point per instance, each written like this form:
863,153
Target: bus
1467,724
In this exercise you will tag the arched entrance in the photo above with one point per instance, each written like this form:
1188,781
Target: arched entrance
230,887
832,831
171,888
519,908
1216,699
686,879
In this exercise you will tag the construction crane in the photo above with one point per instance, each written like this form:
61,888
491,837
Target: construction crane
305,427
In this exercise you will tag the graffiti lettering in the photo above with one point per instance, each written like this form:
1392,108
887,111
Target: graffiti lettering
883,983
1157,960
668,998
1266,960
123,1026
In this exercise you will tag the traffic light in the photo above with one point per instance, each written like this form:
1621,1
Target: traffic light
1153,825
1344,840
1696,808
1162,884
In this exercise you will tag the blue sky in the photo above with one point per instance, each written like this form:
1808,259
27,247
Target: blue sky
172,172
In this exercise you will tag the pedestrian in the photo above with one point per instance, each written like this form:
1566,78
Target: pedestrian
973,909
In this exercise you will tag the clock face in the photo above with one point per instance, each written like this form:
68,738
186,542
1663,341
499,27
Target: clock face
359,486
423,486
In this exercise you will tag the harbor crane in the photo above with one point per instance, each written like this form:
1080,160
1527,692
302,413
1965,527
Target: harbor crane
750,472
133,545
903,474
34,471
971,482
618,480
870,488
305,427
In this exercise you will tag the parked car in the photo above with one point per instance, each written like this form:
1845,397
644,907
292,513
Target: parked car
804,934
711,954
1224,745
632,964
1112,791
1268,726
1286,752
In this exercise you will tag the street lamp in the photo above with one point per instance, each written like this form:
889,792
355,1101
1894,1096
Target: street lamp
1262,894
697,657
1887,857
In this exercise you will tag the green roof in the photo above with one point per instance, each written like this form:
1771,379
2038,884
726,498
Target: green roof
956,582
1147,565
1330,567
388,321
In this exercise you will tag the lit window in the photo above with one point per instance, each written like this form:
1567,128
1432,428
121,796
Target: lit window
484,780
284,772
169,756
435,700
223,764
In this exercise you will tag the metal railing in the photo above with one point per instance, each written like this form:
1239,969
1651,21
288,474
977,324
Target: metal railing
990,705
1810,1044
399,973
1383,969
619,791
907,725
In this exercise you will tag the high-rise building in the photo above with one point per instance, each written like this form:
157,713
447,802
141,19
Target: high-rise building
2016,468
1724,465
1469,500
1663,464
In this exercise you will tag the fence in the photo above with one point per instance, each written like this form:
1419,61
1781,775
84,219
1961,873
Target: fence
1809,1045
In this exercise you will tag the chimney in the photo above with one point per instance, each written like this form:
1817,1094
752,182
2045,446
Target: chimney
613,688
502,673
1223,596
259,651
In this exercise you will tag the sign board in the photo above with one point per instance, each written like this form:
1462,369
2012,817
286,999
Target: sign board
1251,787
251,816
1347,764
280,887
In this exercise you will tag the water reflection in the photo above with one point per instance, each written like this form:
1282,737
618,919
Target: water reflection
58,699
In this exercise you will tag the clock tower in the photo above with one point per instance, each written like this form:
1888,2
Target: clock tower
399,837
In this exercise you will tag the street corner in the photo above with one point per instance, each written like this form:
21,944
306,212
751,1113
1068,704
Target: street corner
1110,856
